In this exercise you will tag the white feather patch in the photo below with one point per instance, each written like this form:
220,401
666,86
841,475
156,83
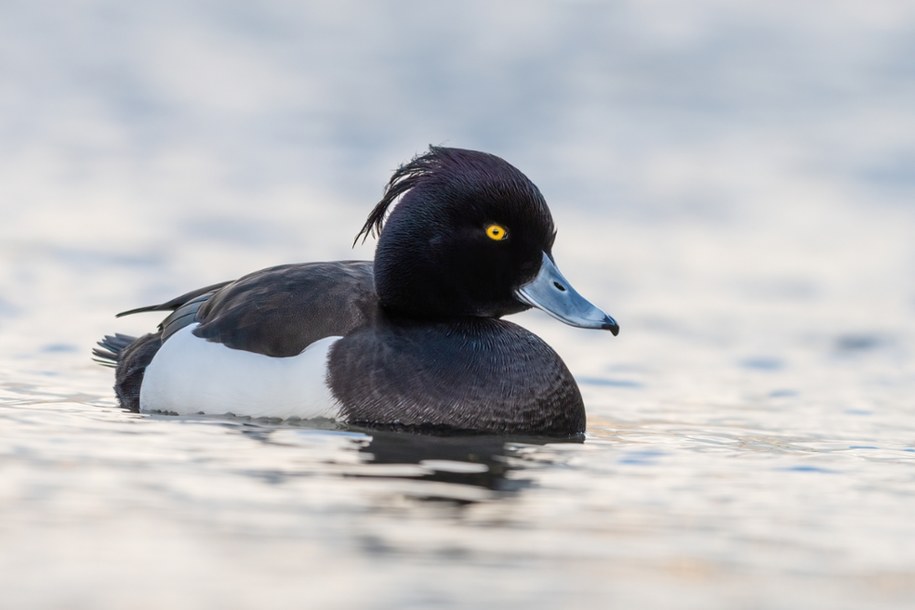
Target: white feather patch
190,375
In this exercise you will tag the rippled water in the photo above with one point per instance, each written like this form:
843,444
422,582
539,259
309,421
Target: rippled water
733,183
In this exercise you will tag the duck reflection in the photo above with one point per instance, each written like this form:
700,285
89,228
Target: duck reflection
457,469
493,463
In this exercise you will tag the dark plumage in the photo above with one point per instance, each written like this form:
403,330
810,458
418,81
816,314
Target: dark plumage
468,241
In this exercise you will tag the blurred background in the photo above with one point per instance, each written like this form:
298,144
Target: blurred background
734,182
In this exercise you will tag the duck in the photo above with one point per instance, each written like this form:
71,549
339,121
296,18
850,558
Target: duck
414,340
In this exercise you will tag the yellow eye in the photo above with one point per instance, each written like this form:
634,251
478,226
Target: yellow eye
496,232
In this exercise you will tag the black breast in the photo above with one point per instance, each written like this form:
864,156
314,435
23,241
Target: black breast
472,374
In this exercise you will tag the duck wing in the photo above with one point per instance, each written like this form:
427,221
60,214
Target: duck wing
281,310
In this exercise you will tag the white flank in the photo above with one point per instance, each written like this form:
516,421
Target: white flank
190,375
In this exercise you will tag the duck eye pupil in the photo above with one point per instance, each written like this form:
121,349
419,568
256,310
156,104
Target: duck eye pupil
496,232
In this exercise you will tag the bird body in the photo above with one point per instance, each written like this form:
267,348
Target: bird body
412,340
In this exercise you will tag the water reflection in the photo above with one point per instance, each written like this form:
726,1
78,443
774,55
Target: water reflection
481,461
461,469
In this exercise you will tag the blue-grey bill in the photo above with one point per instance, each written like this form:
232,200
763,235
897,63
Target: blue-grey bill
553,293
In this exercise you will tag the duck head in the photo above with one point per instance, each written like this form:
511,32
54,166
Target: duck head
470,236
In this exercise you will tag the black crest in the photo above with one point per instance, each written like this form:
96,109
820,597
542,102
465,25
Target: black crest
405,178
456,163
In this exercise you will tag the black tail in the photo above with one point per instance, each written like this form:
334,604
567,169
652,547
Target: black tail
130,356
109,349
